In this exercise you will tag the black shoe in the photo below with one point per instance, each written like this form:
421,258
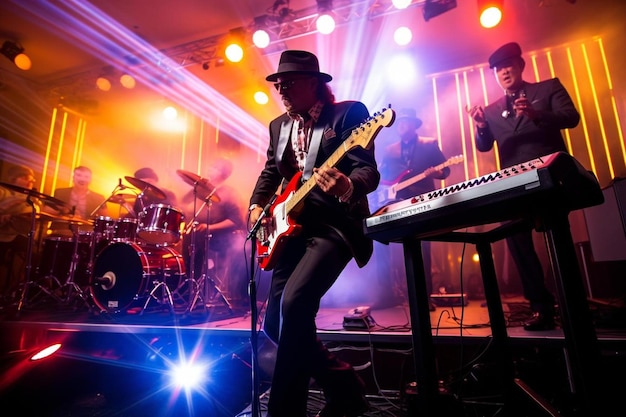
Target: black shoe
539,321
348,401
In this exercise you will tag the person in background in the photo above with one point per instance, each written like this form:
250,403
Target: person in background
301,140
83,203
410,156
148,175
526,123
15,226
225,233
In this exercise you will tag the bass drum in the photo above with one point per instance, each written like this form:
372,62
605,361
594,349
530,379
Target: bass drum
124,273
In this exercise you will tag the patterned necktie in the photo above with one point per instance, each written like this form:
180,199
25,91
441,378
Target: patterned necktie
299,143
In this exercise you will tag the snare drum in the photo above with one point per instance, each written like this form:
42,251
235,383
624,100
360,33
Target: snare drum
125,273
160,224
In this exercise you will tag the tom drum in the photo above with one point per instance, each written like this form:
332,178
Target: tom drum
160,224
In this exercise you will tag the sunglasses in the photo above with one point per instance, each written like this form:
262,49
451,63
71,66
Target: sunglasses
286,85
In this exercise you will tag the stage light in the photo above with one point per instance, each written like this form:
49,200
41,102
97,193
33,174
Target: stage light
127,81
402,36
15,53
46,352
234,50
103,83
433,8
401,4
325,22
261,97
260,37
188,375
490,13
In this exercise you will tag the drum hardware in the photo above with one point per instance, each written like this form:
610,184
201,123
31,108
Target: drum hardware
29,282
200,290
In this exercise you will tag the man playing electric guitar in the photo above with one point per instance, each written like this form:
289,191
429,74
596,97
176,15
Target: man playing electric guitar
412,155
328,234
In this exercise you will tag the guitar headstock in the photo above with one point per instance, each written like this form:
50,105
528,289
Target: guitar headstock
366,132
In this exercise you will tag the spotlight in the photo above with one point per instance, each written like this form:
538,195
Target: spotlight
234,50
103,83
433,8
325,22
260,37
15,53
127,81
489,12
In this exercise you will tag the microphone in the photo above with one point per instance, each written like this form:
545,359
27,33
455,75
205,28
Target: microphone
120,185
266,211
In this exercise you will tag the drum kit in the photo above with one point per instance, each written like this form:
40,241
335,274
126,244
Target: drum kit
120,265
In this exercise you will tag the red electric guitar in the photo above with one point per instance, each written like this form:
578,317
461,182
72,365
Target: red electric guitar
280,224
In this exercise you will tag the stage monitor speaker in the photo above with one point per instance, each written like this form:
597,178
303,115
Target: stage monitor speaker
606,224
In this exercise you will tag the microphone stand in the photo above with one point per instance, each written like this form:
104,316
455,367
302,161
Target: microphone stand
254,338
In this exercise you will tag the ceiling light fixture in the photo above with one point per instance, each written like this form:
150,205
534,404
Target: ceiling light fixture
433,8
15,53
489,13
325,22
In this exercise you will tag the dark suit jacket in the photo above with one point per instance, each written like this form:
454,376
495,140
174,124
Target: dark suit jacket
521,139
320,210
93,199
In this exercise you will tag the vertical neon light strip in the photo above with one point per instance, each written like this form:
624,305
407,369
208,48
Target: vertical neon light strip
48,148
184,141
598,112
437,119
583,118
471,147
620,134
459,106
200,145
59,152
496,151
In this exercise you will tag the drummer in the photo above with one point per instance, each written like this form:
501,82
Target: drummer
15,224
83,202
152,196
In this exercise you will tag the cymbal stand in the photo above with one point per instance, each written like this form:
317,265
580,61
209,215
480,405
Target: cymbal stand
28,282
73,288
205,284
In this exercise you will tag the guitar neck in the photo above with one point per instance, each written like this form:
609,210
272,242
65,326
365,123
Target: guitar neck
301,193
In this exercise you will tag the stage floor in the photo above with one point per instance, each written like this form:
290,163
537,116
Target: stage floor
116,364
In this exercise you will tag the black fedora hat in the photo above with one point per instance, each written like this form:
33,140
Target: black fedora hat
409,114
298,62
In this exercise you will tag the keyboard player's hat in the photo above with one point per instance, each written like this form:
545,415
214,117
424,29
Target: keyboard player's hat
409,114
506,52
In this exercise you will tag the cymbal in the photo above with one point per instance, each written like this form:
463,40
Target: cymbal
45,198
204,189
50,217
121,198
147,188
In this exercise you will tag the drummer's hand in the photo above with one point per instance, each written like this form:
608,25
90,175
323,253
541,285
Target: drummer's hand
201,227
